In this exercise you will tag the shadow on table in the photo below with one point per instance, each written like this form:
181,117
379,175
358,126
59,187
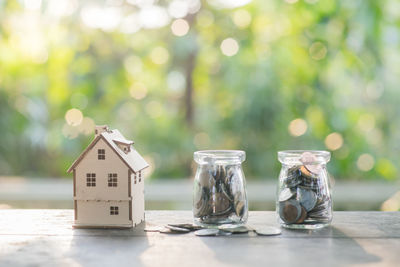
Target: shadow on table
108,247
292,248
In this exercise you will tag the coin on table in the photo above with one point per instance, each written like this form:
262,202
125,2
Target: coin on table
307,198
207,232
153,228
166,230
188,226
224,233
235,229
268,230
177,229
286,194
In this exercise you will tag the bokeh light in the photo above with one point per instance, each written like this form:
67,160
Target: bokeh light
334,141
73,117
229,47
159,55
392,204
365,162
242,18
297,127
138,90
318,51
366,122
180,27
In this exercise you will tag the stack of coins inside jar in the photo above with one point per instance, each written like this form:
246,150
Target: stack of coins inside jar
219,191
303,195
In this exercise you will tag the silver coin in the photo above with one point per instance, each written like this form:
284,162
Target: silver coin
224,233
153,228
268,230
188,226
307,198
236,229
286,194
207,232
177,229
166,230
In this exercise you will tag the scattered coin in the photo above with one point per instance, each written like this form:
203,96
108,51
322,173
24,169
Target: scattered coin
207,232
153,228
224,233
169,231
188,226
235,230
268,230
177,229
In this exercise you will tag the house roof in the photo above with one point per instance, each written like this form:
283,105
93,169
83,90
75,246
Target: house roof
132,159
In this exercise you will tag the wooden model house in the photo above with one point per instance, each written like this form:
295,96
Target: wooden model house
108,182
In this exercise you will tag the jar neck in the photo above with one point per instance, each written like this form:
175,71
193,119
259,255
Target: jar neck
224,157
306,157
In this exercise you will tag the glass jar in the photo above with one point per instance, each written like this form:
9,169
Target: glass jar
219,191
303,196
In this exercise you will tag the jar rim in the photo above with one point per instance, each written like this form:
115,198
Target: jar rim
321,156
218,155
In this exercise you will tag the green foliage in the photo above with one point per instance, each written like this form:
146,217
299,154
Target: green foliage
331,64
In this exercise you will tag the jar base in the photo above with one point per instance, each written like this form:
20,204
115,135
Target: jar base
313,226
215,223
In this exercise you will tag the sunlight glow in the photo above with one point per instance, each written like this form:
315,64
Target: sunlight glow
180,27
229,47
73,117
365,162
334,141
297,127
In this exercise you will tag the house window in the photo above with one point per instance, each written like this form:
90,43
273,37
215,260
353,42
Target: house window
101,154
114,210
134,180
140,177
90,179
112,180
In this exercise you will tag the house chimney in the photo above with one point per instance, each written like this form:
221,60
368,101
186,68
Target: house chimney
100,129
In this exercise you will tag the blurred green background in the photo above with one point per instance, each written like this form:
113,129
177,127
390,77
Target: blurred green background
180,76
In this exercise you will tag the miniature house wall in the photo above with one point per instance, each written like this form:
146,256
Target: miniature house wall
108,182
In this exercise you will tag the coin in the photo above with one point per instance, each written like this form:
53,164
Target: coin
289,211
313,168
307,157
188,226
223,233
307,198
239,208
234,229
153,228
286,194
166,230
177,229
303,215
305,173
206,232
268,230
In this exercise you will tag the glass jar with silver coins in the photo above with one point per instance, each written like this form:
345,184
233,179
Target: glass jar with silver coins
219,191
303,196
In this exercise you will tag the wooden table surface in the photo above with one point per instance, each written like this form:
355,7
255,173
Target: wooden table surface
46,238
